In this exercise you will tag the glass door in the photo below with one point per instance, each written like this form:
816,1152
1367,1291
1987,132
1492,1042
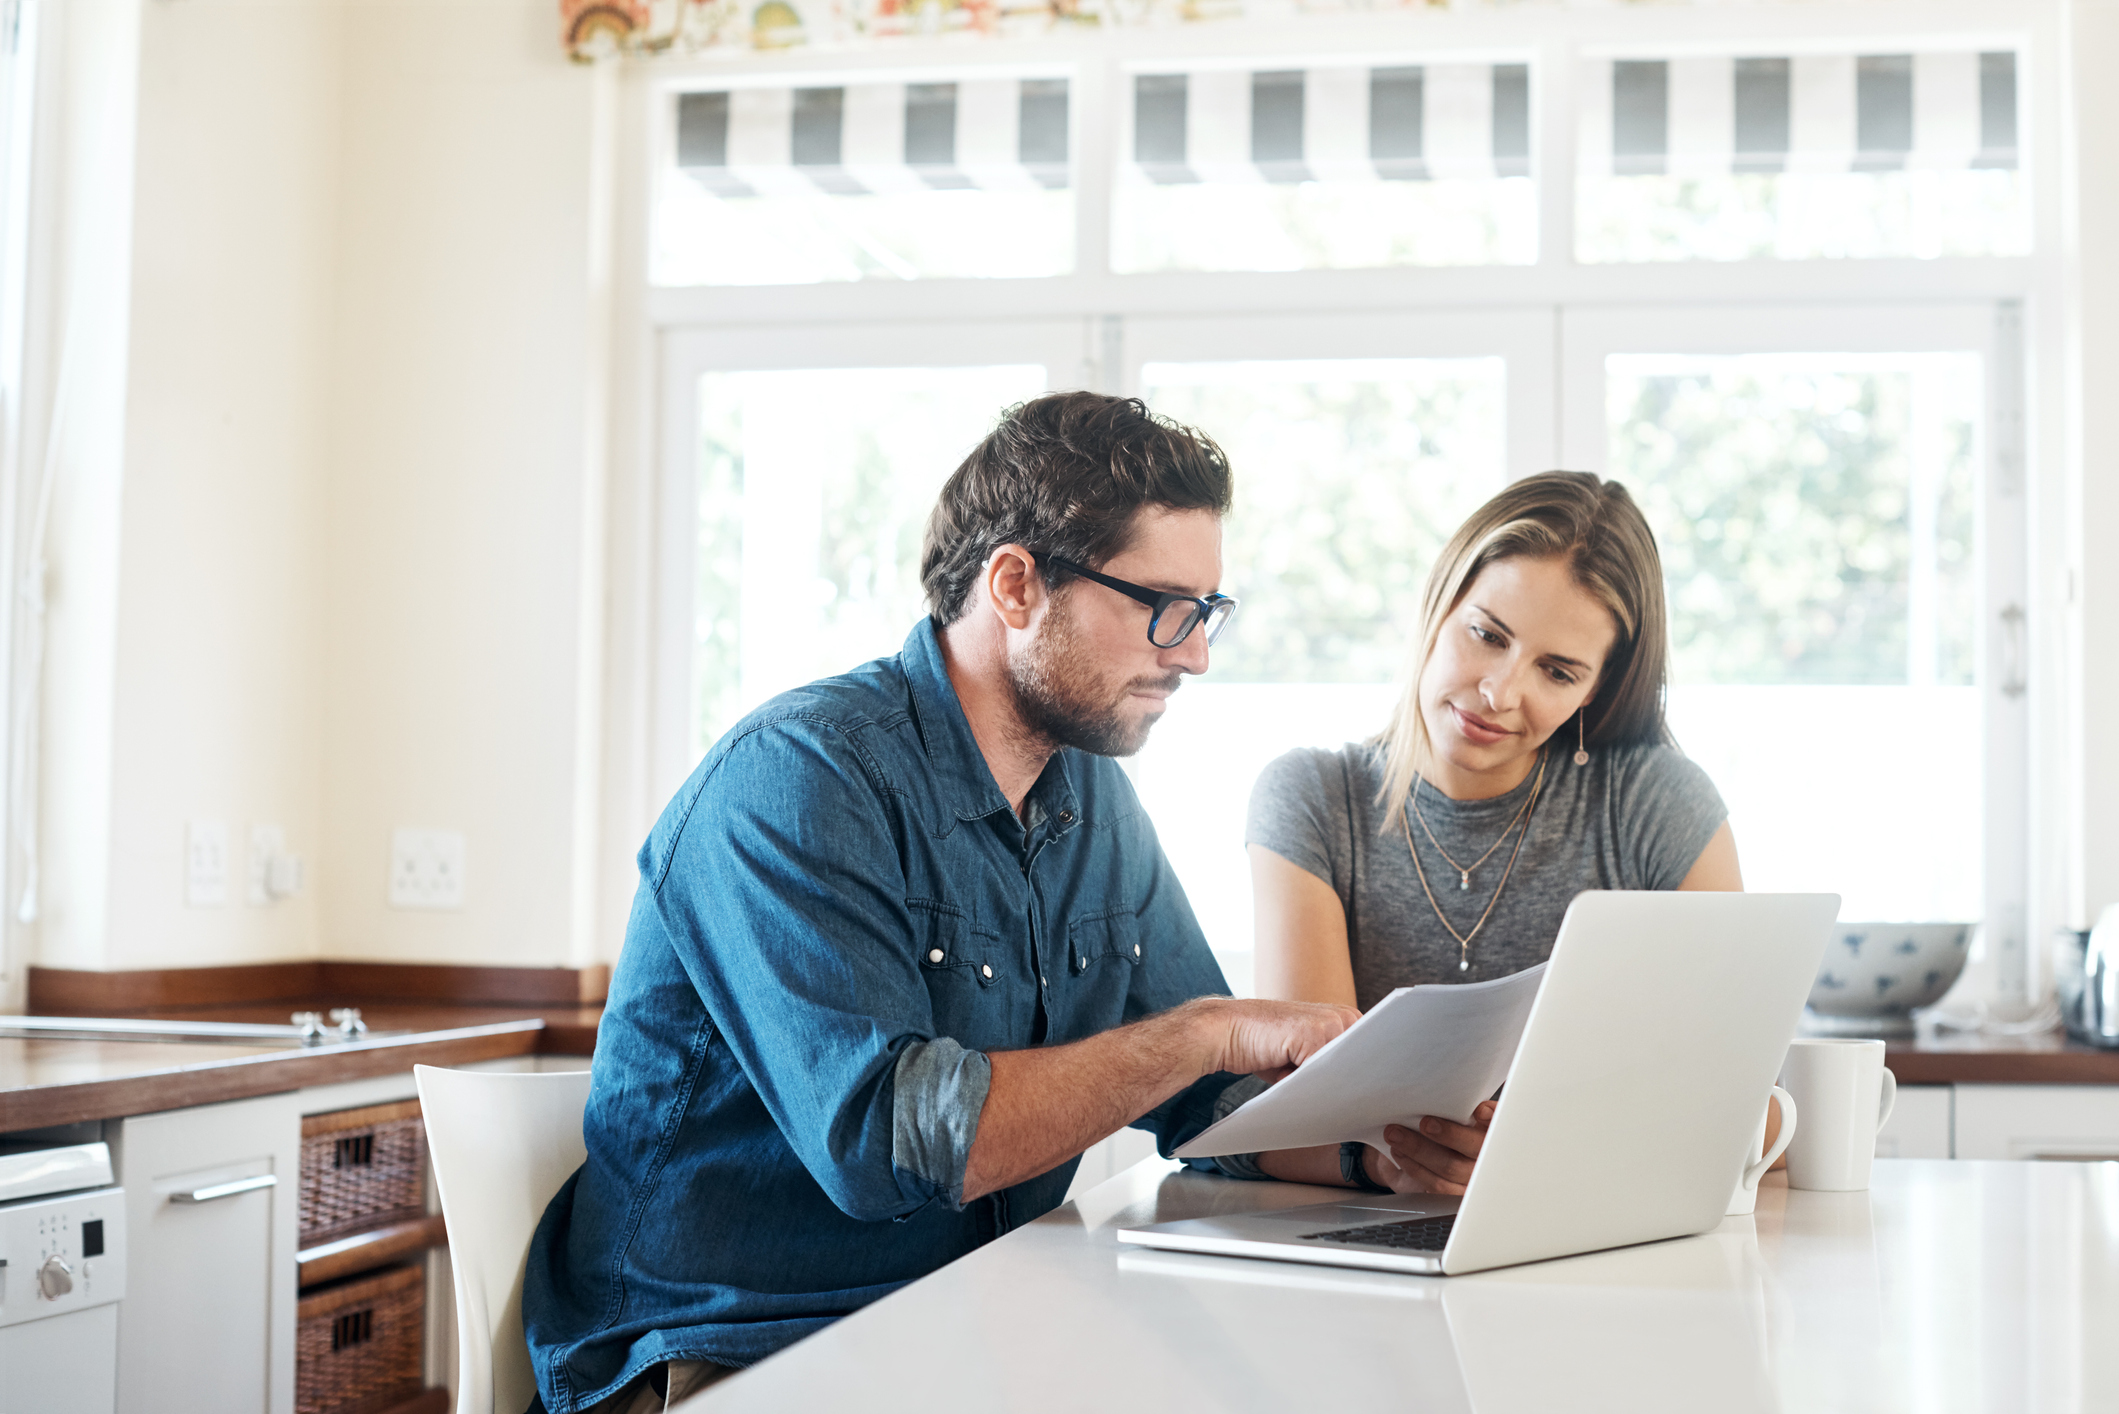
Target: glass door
1841,526
1358,444
800,467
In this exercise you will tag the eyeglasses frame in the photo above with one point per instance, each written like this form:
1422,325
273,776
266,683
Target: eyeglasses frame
1158,601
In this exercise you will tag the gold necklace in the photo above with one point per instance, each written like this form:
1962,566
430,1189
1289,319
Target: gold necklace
1464,871
1464,940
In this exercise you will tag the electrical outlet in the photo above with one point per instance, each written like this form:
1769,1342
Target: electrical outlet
426,869
274,873
206,863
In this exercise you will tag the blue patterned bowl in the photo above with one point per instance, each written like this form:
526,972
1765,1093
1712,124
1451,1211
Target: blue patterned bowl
1875,974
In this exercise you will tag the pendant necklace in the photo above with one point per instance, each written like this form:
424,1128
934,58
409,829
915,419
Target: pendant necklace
1464,940
1464,871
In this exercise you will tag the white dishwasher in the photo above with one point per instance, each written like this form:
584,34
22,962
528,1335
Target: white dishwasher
62,1274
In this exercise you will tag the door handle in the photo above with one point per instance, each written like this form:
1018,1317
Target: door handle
2012,673
226,1190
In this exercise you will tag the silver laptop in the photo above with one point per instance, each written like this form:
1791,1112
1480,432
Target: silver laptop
1638,1086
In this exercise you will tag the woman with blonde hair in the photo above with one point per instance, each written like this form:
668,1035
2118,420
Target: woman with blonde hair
1528,761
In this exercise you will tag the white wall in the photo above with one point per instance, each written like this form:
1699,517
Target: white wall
319,550
216,710
460,442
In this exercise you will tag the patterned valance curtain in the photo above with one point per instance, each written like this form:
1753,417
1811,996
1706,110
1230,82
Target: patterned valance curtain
989,134
1712,116
1336,124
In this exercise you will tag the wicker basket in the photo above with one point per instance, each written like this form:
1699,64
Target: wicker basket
362,1169
357,1343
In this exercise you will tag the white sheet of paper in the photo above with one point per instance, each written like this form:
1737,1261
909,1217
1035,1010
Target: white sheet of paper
1428,1050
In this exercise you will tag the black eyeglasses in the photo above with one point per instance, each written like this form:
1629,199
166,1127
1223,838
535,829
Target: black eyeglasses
1165,629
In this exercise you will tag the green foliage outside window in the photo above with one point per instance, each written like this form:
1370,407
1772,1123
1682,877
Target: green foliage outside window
1815,524
1349,478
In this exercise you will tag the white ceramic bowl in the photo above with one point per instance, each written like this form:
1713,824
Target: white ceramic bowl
1875,974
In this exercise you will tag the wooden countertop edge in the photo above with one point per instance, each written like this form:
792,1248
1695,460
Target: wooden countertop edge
269,1074
2072,1067
567,1038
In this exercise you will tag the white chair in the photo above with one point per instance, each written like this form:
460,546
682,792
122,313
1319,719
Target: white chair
502,1144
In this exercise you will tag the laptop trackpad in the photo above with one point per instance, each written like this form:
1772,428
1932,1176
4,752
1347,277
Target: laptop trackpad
1372,1208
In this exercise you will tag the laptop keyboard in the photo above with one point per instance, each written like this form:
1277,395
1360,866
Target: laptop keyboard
1412,1234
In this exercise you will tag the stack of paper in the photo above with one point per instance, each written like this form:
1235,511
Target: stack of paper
1429,1050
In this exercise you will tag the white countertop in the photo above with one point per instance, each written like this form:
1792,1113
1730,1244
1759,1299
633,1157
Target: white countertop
1950,1285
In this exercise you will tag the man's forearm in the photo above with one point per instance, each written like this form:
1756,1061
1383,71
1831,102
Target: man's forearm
1045,1106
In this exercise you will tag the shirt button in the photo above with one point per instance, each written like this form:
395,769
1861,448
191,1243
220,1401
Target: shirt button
1041,981
935,956
1066,817
1136,949
986,971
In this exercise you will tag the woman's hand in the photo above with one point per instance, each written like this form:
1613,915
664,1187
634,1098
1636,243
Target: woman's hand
1436,1158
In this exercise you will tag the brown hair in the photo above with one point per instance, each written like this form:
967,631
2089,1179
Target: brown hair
1597,529
1064,475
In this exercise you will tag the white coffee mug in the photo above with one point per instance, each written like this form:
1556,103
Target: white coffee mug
1757,1159
1846,1095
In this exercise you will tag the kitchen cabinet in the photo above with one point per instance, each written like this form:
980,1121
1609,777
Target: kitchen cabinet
207,1324
2037,1122
1920,1124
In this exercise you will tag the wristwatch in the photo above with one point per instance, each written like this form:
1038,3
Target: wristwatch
1354,1171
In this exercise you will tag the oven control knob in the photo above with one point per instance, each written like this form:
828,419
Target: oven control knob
54,1278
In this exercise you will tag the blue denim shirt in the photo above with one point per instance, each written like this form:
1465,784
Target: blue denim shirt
838,915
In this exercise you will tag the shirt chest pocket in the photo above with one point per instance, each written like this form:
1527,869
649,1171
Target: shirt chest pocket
1103,940
949,943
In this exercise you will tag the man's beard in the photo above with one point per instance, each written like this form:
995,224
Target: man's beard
1060,702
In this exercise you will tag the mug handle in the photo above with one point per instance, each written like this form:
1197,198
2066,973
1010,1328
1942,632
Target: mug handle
1779,1146
1890,1097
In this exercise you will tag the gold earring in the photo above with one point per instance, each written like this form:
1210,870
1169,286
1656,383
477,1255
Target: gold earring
1581,732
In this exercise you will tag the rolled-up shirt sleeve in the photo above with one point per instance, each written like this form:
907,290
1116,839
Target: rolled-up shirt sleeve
940,1089
1226,1104
784,894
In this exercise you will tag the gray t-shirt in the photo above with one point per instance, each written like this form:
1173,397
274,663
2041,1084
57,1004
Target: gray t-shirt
1635,817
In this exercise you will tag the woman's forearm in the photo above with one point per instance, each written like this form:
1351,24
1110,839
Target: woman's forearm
1301,934
1318,1165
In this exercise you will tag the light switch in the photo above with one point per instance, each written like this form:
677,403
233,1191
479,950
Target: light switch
206,863
426,868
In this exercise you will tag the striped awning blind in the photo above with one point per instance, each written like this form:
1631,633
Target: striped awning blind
1400,122
989,134
1709,116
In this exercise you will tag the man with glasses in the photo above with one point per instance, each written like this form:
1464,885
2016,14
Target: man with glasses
905,944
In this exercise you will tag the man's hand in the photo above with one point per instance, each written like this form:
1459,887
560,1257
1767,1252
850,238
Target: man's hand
1269,1039
1436,1158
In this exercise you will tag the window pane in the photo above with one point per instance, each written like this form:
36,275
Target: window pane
1339,166
885,181
1794,158
1815,514
1349,476
809,526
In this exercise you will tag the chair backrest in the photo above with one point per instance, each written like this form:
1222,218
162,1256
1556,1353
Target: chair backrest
502,1144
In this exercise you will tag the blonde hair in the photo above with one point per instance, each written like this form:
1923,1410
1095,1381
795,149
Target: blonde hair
1597,529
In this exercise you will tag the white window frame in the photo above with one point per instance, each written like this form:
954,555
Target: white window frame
1115,314
1589,337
